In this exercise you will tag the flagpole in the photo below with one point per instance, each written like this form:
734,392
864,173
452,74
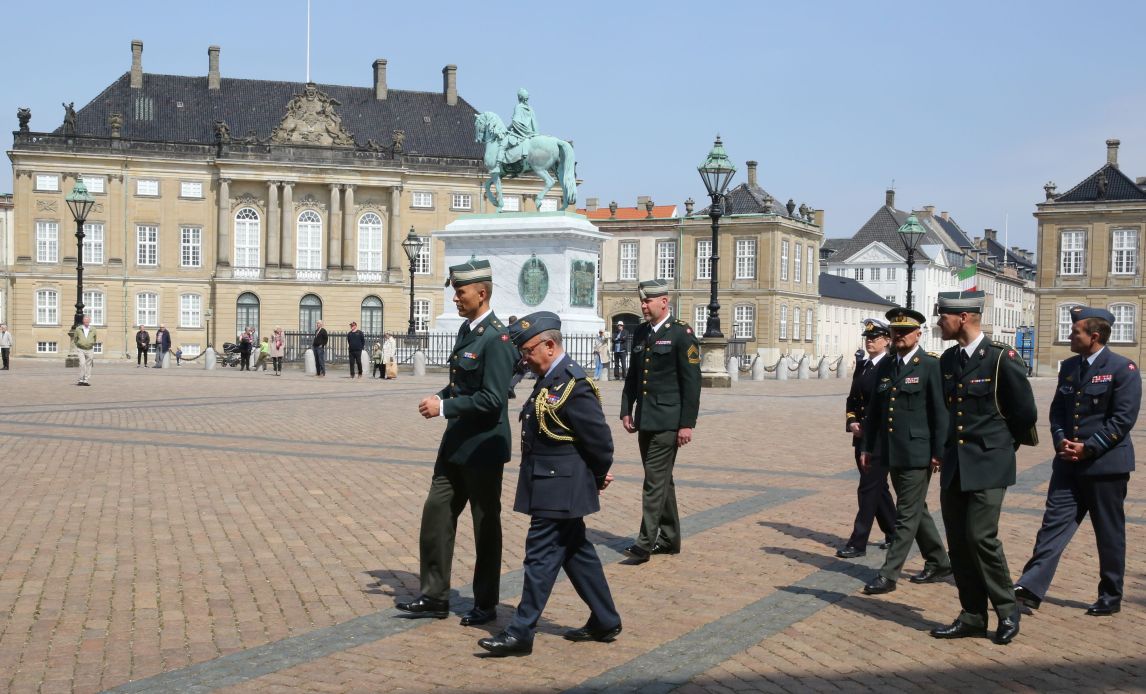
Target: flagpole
308,41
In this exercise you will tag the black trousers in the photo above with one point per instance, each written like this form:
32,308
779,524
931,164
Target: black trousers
875,504
619,370
140,356
277,364
4,355
245,360
550,546
355,362
379,369
451,488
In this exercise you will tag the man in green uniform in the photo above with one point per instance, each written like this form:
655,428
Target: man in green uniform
474,449
661,399
989,398
905,424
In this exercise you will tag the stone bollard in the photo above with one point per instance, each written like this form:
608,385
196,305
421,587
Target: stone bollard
842,371
167,361
209,359
733,369
782,368
824,370
802,369
308,362
419,363
757,369
364,362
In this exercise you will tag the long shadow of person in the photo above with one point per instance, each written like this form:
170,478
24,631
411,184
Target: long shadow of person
802,533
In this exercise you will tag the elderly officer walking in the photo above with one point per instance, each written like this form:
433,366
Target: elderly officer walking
566,453
474,448
1094,409
663,388
991,409
905,424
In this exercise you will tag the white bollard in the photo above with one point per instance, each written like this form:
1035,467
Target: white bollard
419,363
209,359
364,361
782,369
734,369
308,362
842,371
802,369
757,369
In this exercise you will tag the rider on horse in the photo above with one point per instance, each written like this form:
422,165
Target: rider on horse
523,127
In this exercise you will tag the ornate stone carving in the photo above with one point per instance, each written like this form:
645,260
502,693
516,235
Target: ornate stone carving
310,202
246,200
790,206
45,205
311,120
98,208
626,304
397,139
23,115
222,132
115,122
69,118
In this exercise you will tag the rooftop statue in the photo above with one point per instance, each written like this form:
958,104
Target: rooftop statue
510,152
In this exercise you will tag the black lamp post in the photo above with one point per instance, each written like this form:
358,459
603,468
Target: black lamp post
911,233
412,246
80,202
716,172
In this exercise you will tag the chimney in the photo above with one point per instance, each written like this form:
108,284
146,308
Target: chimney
380,79
137,64
945,216
1112,152
213,67
991,234
818,218
591,204
930,210
752,174
889,198
641,200
450,84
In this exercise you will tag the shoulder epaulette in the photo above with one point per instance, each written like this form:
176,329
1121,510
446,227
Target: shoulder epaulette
934,354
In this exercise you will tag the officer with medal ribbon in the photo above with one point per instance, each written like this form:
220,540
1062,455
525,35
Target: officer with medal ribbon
991,410
566,453
661,399
473,451
905,426
1094,408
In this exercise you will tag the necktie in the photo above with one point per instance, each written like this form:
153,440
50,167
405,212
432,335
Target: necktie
1082,369
898,363
963,358
465,330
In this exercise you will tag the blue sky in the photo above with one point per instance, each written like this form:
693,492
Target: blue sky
969,106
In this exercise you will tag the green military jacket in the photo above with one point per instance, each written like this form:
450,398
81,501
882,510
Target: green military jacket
663,384
82,342
475,402
906,420
988,399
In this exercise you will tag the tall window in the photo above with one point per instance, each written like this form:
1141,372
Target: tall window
371,316
875,273
147,309
798,270
190,247
422,261
1124,328
745,259
811,262
796,316
370,243
248,231
744,321
808,326
309,313
190,310
421,315
784,259
1071,257
891,273
857,273
628,260
146,245
246,313
704,259
47,242
94,307
93,243
1064,322
1124,259
701,323
47,307
309,241
666,260
783,321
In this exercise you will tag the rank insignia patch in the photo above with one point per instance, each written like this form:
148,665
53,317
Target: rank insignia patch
911,379
505,338
693,355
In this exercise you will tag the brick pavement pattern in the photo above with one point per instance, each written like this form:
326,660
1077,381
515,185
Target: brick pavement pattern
186,530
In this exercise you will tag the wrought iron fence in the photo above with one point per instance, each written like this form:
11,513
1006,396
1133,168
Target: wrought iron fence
437,346
739,349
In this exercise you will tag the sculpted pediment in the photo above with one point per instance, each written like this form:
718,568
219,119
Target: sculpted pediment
875,253
311,119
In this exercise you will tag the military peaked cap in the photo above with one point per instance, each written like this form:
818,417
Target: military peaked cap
875,327
900,317
469,272
960,302
652,288
1083,312
528,327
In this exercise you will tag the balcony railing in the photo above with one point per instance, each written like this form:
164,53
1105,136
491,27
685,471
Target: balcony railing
310,275
247,273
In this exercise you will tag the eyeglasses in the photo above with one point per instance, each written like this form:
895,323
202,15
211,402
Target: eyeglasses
527,351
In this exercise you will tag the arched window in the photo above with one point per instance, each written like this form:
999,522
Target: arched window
309,241
309,313
371,320
369,243
248,233
246,313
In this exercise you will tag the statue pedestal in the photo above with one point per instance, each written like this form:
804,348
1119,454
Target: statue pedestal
541,261
714,363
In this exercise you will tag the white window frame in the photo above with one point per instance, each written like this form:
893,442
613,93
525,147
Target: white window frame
700,313
808,324
370,241
47,242
1125,328
798,269
190,246
704,259
147,245
548,205
1065,322
857,274
461,201
891,274
248,237
47,307
744,321
811,253
797,315
309,241
745,259
666,260
47,347
421,315
1124,251
783,260
147,187
422,200
783,322
629,255
511,203
93,243
1072,253
95,303
422,263
47,183
875,274
96,185
190,311
192,190
147,309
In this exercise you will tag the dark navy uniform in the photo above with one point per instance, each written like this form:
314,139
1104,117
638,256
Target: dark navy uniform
872,493
1097,406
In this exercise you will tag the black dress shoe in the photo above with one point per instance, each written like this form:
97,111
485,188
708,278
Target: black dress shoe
1027,598
638,554
960,630
1103,609
503,645
588,633
886,543
664,549
850,553
879,586
426,607
479,615
1008,629
930,575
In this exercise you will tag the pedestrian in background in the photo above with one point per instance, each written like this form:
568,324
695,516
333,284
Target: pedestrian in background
84,338
601,358
318,345
390,356
246,346
355,344
162,345
5,345
142,346
278,350
619,352
378,362
264,354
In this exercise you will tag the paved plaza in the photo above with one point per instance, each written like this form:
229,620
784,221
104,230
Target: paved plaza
188,530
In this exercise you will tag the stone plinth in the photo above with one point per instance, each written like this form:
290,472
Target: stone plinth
714,363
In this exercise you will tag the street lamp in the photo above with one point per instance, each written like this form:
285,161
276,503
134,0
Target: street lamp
716,172
911,233
80,202
413,247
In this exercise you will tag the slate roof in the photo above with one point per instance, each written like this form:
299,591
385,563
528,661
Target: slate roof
1118,187
847,289
749,199
257,106
952,228
996,251
883,226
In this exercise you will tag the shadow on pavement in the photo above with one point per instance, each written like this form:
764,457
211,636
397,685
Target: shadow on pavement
392,583
802,533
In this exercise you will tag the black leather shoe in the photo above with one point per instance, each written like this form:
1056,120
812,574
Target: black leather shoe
664,549
886,543
1008,629
479,615
1103,609
504,645
587,633
637,554
961,630
930,575
850,553
1027,598
426,607
879,586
